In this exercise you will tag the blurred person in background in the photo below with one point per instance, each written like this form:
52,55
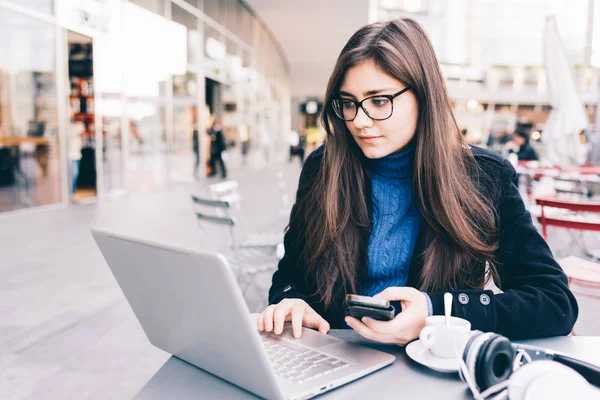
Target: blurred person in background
76,132
297,144
396,206
244,139
294,141
217,147
520,145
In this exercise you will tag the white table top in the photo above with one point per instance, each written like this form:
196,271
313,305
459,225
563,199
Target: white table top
177,379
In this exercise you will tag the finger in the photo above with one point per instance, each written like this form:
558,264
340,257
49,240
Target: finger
361,328
394,293
314,320
281,314
297,315
268,318
380,327
260,322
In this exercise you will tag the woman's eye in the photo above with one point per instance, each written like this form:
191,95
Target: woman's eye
347,104
380,101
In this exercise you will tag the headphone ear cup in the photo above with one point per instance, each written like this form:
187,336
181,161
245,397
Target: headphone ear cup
494,362
546,379
466,353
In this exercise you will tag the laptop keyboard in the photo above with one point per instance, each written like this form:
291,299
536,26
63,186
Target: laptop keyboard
297,363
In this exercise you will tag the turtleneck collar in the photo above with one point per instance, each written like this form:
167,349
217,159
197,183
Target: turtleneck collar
396,165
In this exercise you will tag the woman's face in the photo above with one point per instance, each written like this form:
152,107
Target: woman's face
379,138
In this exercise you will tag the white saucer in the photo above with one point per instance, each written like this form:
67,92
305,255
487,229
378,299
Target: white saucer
418,353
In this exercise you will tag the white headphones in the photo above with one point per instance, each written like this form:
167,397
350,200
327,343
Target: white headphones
546,380
492,365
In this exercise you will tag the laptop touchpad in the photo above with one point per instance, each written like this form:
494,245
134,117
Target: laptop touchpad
310,338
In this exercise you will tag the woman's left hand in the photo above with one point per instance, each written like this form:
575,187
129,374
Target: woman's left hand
405,327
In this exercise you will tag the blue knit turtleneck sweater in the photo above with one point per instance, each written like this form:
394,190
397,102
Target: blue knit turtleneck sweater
395,222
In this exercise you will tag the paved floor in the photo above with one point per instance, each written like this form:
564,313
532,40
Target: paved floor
66,331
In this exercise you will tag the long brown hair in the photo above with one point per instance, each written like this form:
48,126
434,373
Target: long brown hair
459,224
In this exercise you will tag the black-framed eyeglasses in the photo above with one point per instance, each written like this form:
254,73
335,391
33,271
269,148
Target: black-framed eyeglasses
378,107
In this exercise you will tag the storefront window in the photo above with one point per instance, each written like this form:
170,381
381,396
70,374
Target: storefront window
233,62
155,49
29,151
215,52
185,150
190,22
185,154
111,109
109,84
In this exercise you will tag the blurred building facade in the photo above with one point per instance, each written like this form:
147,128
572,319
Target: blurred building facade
491,53
101,97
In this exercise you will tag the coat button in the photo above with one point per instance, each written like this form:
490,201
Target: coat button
484,299
463,299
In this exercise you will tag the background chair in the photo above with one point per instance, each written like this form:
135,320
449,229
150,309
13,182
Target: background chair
247,263
575,187
576,215
584,281
269,240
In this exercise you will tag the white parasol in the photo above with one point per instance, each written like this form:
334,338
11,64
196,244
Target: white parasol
568,117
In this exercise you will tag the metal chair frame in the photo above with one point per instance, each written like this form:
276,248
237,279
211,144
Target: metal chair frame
245,261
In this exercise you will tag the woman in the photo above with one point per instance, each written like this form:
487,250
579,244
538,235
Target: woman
394,205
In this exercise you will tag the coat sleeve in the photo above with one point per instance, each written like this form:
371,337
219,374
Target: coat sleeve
536,301
289,280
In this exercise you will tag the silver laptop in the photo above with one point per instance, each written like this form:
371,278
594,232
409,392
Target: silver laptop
189,304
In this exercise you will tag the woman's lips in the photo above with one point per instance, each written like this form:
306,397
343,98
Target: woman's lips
368,139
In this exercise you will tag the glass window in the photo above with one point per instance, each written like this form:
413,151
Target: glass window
215,51
44,6
230,15
246,26
185,154
236,29
234,61
30,167
151,56
111,108
156,6
181,16
212,9
195,3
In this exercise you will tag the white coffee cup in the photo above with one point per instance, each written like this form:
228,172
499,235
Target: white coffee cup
440,338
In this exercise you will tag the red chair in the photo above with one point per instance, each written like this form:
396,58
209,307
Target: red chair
584,281
577,214
582,273
574,220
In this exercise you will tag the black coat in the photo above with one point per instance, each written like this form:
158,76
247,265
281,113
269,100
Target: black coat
217,142
536,302
527,153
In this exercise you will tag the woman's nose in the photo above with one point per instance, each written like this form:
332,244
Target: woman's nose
362,120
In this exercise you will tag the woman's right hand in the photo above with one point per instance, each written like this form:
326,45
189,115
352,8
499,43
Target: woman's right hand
295,310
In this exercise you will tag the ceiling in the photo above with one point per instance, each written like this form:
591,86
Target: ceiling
311,33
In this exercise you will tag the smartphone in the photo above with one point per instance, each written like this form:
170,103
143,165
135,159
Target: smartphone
364,306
